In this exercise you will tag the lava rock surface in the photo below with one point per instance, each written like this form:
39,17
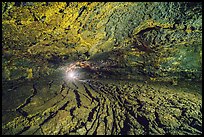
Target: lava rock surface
53,106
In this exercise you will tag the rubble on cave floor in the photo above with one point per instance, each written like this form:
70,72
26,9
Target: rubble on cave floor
100,107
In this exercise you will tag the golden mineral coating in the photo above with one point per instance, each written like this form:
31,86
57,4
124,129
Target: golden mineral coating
30,73
150,41
159,38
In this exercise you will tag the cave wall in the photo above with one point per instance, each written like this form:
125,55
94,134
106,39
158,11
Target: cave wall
157,39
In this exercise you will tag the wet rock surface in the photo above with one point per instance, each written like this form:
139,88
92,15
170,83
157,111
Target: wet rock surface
54,106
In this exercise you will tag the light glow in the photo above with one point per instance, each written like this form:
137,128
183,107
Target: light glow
71,75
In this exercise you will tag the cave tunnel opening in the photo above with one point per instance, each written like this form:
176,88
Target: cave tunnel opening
101,68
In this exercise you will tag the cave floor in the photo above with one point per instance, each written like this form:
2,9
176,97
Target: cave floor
53,106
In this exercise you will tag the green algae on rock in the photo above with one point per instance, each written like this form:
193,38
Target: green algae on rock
141,67
46,31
